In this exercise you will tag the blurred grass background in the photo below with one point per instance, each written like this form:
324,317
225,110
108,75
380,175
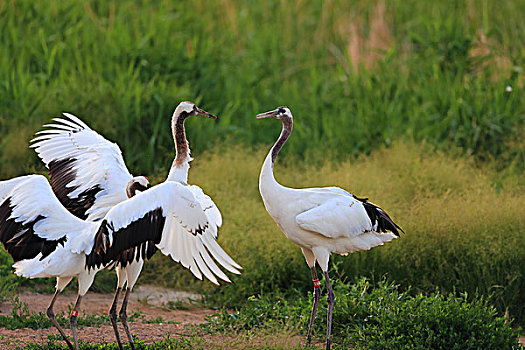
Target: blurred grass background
357,74
415,104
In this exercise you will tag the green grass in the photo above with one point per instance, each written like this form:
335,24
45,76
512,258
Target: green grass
55,343
378,317
357,75
367,316
21,317
188,342
464,225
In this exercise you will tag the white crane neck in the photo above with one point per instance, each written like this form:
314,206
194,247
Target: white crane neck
179,173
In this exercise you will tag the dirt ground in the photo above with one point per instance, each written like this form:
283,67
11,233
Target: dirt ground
148,301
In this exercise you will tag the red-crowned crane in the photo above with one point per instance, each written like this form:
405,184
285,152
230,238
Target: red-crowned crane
320,221
88,174
45,240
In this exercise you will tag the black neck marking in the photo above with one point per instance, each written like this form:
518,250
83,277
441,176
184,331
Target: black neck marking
181,143
135,186
285,133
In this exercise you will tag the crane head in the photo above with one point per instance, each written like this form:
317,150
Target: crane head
138,183
189,109
282,113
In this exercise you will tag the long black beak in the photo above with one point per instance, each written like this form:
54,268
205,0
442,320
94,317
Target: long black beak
203,113
269,114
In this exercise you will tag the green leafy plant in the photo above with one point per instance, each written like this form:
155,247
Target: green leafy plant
21,317
380,317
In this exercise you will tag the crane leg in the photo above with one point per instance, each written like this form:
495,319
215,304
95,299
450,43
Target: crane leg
317,296
113,317
73,320
330,298
124,318
51,316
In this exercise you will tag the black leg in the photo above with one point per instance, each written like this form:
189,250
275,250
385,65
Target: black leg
330,298
73,320
317,296
51,316
113,318
124,318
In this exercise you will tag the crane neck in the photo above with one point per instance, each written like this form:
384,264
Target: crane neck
180,167
285,134
266,178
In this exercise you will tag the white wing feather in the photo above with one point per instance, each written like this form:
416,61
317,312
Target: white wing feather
212,212
339,216
188,236
95,162
32,197
7,186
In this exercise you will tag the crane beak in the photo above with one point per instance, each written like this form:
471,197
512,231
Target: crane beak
203,113
269,114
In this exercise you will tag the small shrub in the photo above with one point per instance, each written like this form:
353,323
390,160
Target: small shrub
21,317
385,318
380,317
8,281
258,313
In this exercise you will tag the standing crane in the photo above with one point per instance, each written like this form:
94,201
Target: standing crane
320,221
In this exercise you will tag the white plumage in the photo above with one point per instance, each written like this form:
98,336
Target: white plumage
49,220
320,220
90,179
92,162
181,229
89,176
82,159
185,221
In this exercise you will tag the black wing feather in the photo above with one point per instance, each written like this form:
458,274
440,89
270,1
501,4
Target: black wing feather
128,243
61,173
20,240
379,217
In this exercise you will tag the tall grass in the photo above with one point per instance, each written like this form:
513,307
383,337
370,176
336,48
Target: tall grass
358,74
464,225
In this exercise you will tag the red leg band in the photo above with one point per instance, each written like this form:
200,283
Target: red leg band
74,313
317,284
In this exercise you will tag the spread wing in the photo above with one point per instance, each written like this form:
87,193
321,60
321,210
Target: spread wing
207,204
170,218
87,172
33,222
7,186
344,215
